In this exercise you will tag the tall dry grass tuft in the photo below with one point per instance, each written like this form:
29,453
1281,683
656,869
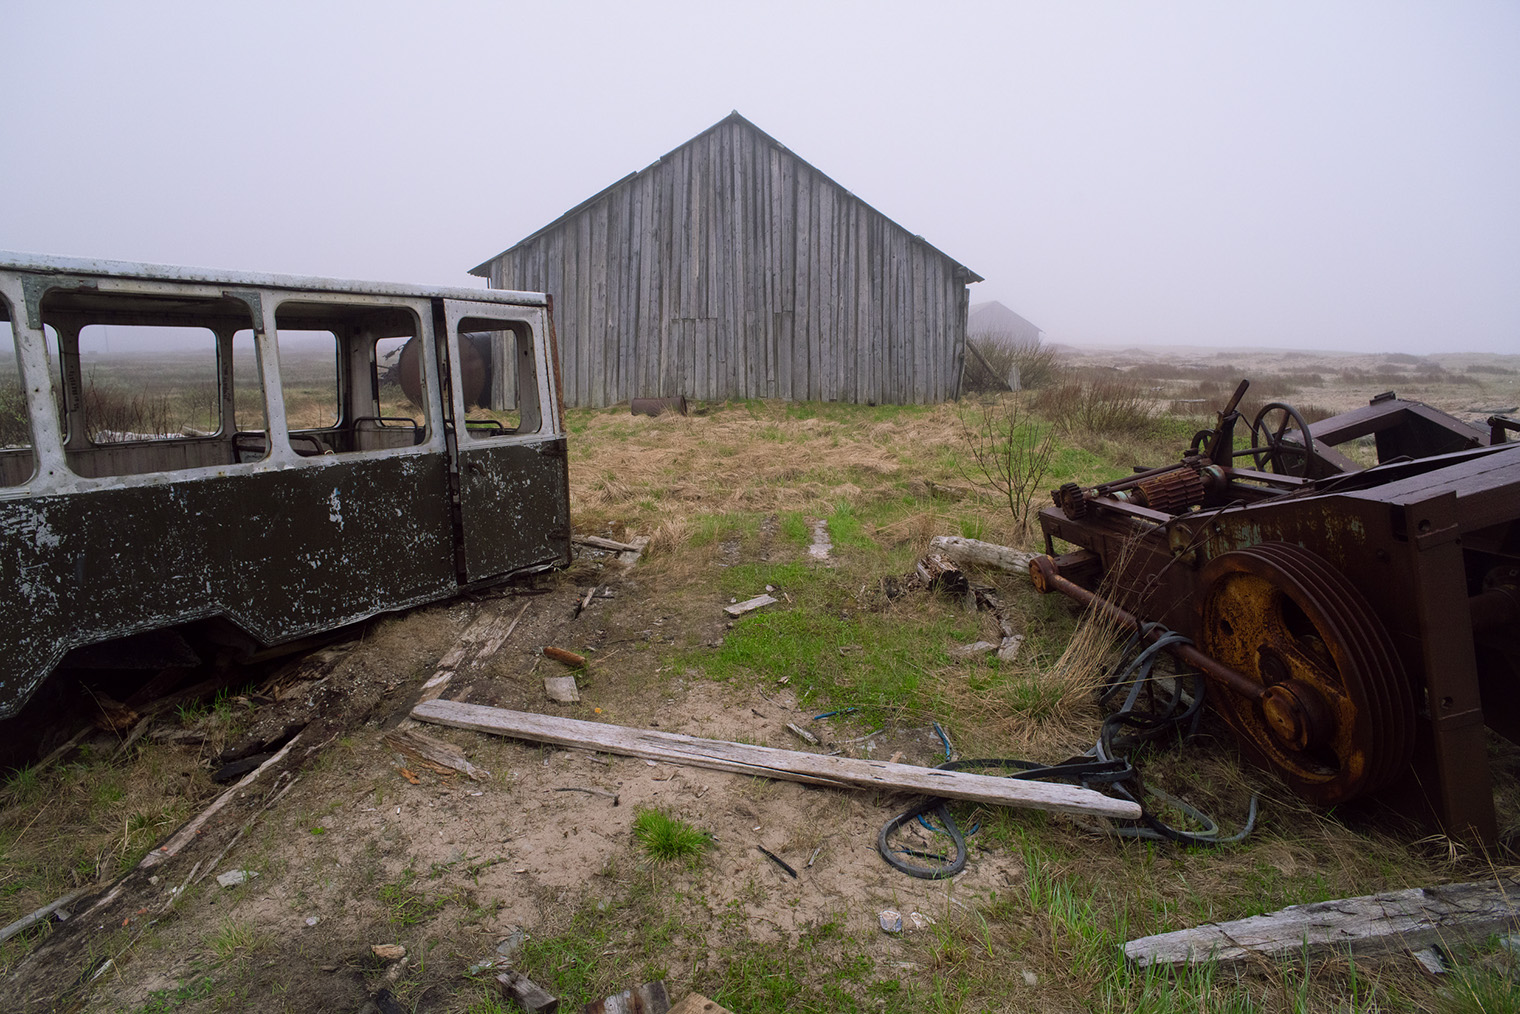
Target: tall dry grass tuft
672,537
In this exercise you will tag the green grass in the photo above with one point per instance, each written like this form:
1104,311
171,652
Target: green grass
160,1001
405,905
667,839
235,939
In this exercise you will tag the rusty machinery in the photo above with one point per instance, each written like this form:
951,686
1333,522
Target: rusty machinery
1358,626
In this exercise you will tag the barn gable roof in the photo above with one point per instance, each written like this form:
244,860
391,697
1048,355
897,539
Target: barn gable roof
483,270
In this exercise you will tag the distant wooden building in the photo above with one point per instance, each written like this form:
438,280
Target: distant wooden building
731,268
994,321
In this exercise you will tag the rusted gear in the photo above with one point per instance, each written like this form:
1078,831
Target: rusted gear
1338,717
1071,501
1173,491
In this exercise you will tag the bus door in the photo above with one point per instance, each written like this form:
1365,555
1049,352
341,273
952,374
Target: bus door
513,479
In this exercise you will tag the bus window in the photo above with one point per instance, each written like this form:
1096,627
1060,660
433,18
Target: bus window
504,402
345,383
248,412
309,375
148,383
15,423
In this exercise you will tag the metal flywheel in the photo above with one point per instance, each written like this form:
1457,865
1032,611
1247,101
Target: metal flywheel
1336,716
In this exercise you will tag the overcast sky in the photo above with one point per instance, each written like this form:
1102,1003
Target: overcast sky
1311,175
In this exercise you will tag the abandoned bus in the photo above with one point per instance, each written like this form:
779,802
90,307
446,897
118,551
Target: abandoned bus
191,457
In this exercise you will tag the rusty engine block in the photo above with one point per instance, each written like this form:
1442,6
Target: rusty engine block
1358,626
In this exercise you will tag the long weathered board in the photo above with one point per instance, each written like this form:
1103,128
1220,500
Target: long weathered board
788,765
1370,924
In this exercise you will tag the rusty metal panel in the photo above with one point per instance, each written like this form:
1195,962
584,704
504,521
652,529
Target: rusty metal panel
282,553
515,506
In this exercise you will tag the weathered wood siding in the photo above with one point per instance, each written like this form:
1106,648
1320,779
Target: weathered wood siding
733,269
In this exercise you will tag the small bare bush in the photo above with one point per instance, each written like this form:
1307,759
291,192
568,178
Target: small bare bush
1009,452
1107,406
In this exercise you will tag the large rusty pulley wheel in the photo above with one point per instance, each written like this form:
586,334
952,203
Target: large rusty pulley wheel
1336,717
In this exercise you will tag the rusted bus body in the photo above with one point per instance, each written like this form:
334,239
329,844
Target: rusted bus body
1363,624
267,521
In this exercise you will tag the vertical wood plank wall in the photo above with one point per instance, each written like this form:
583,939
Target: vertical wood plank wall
733,269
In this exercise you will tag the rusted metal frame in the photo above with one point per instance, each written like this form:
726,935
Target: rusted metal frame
1358,422
1279,483
1450,662
1048,578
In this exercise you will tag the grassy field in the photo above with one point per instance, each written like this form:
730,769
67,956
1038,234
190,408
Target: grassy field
730,496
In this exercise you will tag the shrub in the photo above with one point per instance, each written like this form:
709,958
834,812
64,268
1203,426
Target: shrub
1111,406
1036,363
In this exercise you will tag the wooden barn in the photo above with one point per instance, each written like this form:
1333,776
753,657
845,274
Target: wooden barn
731,268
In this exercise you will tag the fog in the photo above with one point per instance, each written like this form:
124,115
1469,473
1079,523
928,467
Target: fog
1308,175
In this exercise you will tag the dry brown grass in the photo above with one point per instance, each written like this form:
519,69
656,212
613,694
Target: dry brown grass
758,457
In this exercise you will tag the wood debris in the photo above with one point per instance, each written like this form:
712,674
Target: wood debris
750,605
480,640
562,689
801,733
1371,924
650,998
788,765
597,542
569,658
975,650
696,1003
527,993
441,757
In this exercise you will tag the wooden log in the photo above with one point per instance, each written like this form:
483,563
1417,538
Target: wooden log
984,554
788,765
1371,924
569,658
445,756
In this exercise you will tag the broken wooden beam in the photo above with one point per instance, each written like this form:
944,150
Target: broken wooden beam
1370,924
442,757
770,762
984,554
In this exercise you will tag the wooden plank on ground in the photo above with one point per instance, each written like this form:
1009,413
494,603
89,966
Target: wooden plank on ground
788,765
1371,924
